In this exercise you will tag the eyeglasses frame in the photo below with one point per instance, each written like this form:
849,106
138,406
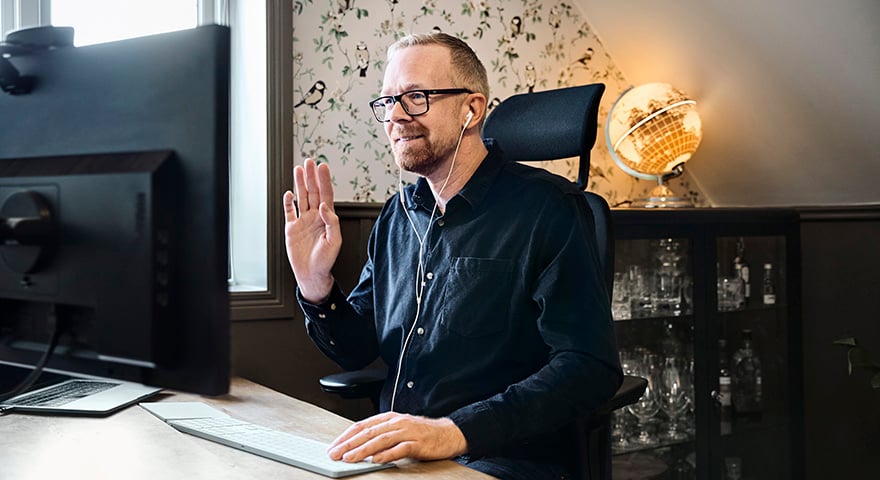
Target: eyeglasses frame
427,92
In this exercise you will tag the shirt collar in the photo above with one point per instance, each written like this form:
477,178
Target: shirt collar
474,191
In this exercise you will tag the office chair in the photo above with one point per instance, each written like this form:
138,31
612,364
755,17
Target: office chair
549,125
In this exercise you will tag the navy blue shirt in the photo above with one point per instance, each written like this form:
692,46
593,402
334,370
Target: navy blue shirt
514,336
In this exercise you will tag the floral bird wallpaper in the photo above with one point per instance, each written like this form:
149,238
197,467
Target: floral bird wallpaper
526,45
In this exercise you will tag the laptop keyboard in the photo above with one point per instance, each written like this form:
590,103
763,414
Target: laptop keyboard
62,393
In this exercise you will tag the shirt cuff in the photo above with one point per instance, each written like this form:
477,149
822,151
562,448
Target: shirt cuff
479,427
324,309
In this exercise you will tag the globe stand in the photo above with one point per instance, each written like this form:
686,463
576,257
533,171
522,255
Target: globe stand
662,196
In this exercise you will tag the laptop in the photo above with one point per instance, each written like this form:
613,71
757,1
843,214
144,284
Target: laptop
66,395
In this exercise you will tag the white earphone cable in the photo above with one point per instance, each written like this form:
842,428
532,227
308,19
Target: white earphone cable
420,269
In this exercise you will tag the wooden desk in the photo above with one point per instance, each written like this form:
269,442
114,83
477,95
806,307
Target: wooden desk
133,444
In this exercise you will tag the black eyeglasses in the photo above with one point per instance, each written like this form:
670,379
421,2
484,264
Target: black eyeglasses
415,102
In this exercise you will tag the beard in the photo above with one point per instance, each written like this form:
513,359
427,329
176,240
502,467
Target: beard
421,156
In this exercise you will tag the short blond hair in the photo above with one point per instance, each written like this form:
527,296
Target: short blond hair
468,70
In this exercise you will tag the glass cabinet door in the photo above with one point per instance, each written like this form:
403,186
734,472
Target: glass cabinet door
652,306
706,308
751,418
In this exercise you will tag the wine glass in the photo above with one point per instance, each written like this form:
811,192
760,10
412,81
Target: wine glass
674,394
620,427
647,406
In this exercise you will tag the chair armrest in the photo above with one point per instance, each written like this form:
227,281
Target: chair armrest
630,391
356,384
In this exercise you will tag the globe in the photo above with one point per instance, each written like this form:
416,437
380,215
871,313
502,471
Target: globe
652,131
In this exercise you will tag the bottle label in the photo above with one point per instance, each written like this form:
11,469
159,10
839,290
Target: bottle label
724,393
769,299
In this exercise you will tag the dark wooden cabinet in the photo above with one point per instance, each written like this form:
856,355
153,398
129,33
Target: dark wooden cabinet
675,269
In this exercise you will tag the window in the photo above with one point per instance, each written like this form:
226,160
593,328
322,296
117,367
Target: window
260,125
119,20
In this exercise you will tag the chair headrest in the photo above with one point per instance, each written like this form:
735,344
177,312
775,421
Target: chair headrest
548,125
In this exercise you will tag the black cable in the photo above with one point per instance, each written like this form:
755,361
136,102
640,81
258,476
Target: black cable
55,334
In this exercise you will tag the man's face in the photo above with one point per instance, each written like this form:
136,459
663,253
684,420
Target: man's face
423,143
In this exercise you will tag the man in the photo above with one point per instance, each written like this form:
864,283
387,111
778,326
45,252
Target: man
481,291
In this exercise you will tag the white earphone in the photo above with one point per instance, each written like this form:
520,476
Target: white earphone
468,119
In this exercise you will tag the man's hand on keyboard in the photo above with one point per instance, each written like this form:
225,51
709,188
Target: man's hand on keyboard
393,436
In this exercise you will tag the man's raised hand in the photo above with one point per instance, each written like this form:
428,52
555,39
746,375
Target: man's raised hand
311,230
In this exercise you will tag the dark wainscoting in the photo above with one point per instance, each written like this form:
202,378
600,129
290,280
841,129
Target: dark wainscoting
276,352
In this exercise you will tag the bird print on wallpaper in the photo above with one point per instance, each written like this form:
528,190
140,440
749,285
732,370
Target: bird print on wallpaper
515,26
345,5
554,18
362,55
313,96
586,57
531,77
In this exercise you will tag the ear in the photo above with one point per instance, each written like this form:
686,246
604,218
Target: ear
476,106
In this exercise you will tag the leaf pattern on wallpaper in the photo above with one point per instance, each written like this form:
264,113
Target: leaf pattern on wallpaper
527,45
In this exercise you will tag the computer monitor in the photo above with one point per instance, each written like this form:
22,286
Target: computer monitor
114,209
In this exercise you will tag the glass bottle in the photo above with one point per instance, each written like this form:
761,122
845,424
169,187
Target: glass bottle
746,383
741,267
769,286
724,388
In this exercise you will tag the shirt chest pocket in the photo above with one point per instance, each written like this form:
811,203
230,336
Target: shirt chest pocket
477,297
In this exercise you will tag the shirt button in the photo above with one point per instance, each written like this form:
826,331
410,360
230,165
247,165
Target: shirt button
321,315
332,306
410,384
332,343
441,222
430,276
420,331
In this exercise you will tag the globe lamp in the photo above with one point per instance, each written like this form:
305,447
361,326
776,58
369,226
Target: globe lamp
651,132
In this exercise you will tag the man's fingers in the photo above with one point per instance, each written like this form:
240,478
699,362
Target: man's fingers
331,223
370,442
311,180
290,213
400,451
299,183
356,435
325,185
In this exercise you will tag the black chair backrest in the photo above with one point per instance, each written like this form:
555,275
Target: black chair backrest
554,125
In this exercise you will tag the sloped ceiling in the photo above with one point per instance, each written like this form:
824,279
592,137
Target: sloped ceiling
788,91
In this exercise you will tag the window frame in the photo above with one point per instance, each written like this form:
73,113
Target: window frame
278,300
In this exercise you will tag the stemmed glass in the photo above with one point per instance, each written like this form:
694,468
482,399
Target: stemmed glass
647,406
619,428
674,394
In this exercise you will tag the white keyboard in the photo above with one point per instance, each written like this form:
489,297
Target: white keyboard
281,446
